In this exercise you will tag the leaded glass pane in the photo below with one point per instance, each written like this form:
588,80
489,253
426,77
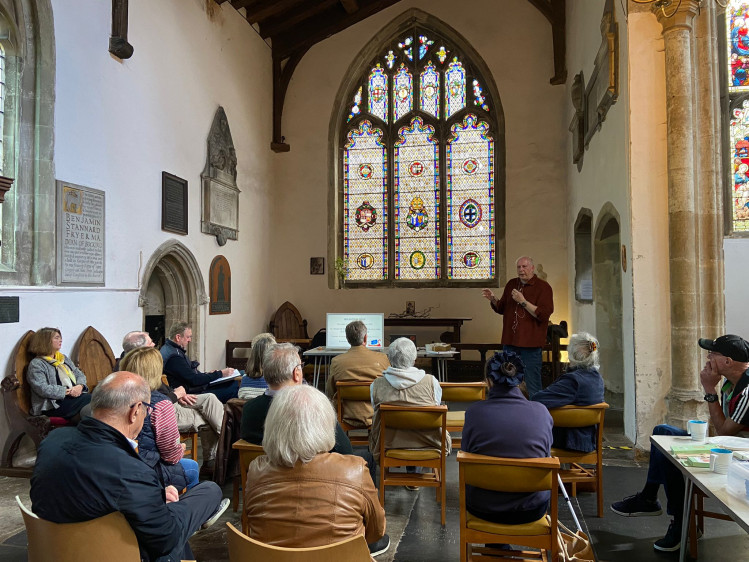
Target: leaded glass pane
478,96
424,44
737,26
739,133
355,108
403,92
455,79
430,90
442,54
405,46
365,204
378,92
470,201
416,203
390,59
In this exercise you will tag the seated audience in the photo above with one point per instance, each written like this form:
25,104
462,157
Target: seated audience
58,387
180,371
402,384
358,364
158,441
203,413
253,383
91,470
728,356
507,425
301,495
580,385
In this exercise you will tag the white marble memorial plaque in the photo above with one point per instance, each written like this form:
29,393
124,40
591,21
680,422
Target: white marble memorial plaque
80,235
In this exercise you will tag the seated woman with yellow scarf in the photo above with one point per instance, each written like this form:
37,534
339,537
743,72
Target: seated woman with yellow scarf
58,387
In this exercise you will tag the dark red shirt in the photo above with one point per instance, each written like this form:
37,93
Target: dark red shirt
519,327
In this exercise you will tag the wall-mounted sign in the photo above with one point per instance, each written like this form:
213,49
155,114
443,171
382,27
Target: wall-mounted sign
220,286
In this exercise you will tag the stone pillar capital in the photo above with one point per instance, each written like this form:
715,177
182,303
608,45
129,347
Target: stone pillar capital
676,14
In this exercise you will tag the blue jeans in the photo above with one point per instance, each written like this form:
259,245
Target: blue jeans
663,471
191,472
532,359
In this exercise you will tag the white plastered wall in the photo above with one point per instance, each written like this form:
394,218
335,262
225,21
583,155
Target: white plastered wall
119,124
514,40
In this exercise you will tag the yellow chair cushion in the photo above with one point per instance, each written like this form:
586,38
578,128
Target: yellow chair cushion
412,454
456,418
536,528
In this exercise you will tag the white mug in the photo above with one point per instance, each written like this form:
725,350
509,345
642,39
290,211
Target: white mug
720,459
697,429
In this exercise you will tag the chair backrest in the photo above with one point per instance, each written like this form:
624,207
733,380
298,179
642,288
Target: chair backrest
94,356
463,391
21,362
579,416
413,417
103,538
355,391
508,475
243,548
248,452
236,362
287,323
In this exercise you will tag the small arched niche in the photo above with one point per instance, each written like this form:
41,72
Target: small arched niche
584,256
172,290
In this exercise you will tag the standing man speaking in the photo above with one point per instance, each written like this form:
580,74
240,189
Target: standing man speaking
526,304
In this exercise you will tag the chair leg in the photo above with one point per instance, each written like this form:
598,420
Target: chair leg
599,490
382,486
463,547
195,446
443,489
693,509
235,494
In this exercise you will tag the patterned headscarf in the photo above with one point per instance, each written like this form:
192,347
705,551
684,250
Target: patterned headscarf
506,368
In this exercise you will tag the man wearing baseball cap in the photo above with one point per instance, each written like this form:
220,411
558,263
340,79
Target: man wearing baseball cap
728,357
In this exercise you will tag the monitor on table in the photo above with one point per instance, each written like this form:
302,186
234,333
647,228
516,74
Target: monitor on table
335,329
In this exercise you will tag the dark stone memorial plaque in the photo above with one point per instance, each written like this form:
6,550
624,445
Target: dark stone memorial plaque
9,310
173,204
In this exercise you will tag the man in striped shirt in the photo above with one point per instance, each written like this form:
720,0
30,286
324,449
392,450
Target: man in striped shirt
728,357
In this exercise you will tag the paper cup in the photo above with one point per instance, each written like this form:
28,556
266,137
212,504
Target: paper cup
698,430
720,460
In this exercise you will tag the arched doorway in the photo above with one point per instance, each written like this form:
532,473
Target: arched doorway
607,296
172,290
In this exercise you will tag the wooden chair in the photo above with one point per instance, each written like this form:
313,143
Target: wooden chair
190,438
582,416
238,363
105,538
244,549
460,392
427,418
17,402
93,355
287,325
508,475
247,453
352,392
697,514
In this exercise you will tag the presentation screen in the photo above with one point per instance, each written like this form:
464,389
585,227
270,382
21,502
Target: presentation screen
335,328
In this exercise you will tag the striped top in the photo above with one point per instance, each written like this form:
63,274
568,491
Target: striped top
252,387
165,431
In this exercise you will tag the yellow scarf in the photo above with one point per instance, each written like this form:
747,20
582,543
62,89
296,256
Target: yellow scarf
58,362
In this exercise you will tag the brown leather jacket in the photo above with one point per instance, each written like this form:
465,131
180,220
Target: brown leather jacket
327,500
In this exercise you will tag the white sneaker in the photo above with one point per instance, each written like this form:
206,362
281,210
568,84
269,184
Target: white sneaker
218,513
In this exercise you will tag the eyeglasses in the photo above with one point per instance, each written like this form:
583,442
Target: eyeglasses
147,406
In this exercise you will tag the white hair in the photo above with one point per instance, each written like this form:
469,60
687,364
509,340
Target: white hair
582,351
402,353
279,362
530,259
133,340
300,424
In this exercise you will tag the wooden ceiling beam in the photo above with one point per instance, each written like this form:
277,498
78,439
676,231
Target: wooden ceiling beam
544,6
321,27
258,13
279,25
237,4
554,11
350,6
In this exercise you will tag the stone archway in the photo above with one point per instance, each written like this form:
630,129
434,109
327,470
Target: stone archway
607,296
172,284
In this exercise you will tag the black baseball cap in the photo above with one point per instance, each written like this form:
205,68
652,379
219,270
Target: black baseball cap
735,347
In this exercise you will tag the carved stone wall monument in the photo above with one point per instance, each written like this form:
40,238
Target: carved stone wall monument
220,216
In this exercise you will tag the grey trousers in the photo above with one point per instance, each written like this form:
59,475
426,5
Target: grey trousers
205,417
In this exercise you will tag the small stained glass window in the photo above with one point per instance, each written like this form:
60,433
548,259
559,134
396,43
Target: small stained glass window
405,46
378,93
424,44
442,54
403,92
390,58
2,110
455,82
478,96
355,108
430,90
737,15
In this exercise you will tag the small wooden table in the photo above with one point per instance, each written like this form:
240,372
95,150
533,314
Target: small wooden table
455,323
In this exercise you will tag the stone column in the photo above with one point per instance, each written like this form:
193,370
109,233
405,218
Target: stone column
683,260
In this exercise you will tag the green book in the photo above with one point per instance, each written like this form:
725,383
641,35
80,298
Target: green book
691,449
699,461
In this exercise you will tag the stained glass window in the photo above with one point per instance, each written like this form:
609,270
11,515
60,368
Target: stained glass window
403,92
739,132
365,204
455,79
430,90
418,194
378,92
470,201
737,28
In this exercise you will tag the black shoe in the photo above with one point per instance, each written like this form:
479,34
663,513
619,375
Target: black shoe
637,506
379,547
672,541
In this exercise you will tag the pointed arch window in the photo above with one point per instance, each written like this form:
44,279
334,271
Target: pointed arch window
737,58
418,168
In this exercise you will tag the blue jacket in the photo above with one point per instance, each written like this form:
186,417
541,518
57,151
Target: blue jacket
169,474
91,470
180,371
579,387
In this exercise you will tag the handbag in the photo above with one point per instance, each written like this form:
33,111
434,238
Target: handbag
573,547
